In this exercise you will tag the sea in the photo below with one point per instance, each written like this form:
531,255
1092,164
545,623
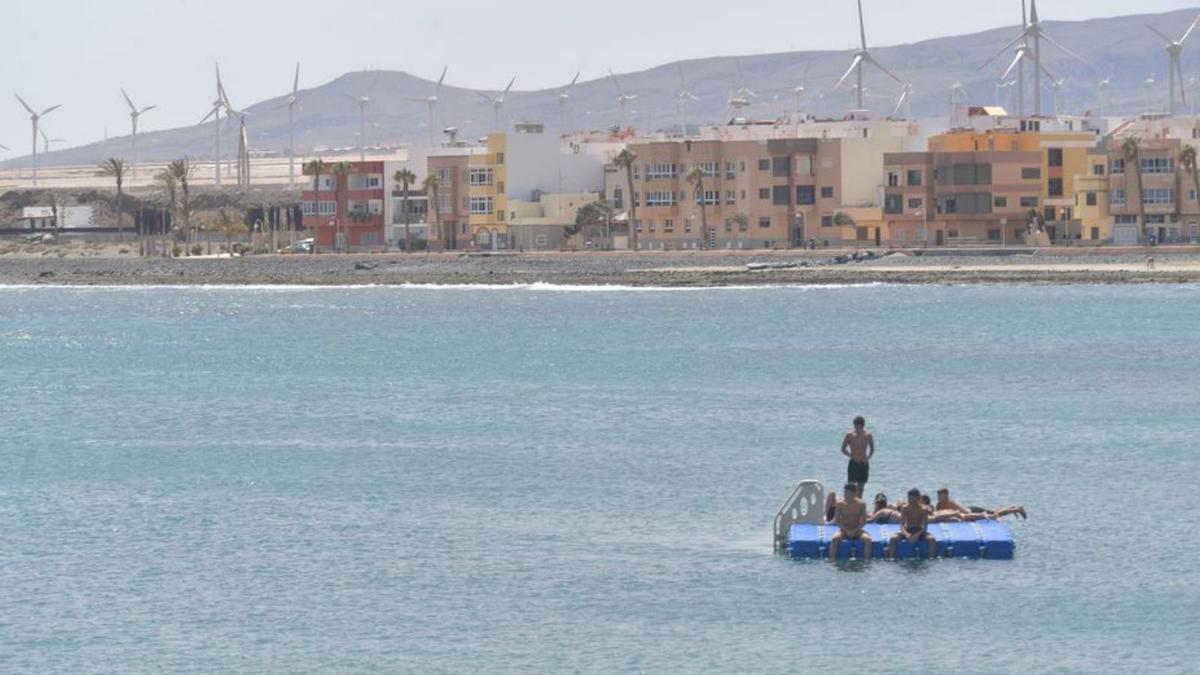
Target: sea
555,479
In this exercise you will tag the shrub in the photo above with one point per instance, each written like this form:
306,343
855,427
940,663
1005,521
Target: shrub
197,249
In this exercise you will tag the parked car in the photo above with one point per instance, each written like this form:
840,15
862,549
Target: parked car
302,246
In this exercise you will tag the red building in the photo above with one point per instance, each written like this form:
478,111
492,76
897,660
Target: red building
347,211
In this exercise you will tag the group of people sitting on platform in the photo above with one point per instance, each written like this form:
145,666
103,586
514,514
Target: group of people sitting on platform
913,516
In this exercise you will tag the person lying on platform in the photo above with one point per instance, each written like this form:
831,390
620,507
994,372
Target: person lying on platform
850,515
914,520
971,513
884,512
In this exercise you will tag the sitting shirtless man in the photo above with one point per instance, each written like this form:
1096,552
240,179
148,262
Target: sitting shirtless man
914,520
947,508
850,515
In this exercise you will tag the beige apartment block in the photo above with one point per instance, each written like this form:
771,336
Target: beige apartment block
1165,209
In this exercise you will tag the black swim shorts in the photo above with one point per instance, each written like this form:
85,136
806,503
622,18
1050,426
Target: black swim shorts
857,473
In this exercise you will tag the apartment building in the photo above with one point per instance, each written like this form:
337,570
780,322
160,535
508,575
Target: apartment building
759,188
1165,208
346,212
451,212
998,180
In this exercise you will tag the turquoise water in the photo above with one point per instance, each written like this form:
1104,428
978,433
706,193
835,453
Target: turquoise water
526,479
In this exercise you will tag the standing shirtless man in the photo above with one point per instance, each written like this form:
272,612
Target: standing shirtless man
859,446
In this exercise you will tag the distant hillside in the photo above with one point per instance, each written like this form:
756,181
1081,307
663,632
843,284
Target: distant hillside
1119,48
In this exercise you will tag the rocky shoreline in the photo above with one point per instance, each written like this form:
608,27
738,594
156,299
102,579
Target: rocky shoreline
624,269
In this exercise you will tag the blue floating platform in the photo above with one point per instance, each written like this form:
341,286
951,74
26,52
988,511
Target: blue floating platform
979,539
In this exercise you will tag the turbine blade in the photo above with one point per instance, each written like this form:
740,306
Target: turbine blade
1189,30
1016,62
484,96
1182,86
862,29
510,84
574,79
1054,42
443,77
210,114
3,147
147,109
296,81
23,103
853,64
128,100
900,103
43,133
1005,48
616,83
884,69
1048,73
49,110
1159,34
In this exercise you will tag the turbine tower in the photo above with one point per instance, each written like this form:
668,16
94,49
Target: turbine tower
497,103
1030,41
1174,63
363,101
36,117
432,101
862,57
215,114
243,157
684,98
291,106
134,113
563,97
623,99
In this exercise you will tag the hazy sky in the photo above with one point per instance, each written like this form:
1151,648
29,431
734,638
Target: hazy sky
79,52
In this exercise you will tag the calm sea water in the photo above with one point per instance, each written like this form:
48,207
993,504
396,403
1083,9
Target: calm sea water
323,480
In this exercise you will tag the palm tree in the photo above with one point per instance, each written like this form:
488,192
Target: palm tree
170,188
430,186
1131,149
1187,159
626,160
181,170
342,171
696,177
316,167
114,168
406,178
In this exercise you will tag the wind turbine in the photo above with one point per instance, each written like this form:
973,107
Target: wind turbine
863,57
36,117
905,101
215,114
798,93
958,99
684,98
47,141
1174,62
1056,87
134,113
243,170
563,97
1030,40
363,101
432,101
1102,93
623,99
739,97
291,106
497,102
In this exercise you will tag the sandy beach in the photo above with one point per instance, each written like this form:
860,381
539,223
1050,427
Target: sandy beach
94,264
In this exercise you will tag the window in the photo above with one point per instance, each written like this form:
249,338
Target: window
481,177
661,171
1048,214
893,203
1031,173
1117,196
730,172
915,203
661,198
781,167
1097,169
500,187
1000,203
804,195
709,197
369,239
1029,202
1118,167
709,169
914,177
1054,187
445,175
826,221
993,235
781,196
901,235
764,223
328,208
1158,165
1091,198
1125,219
948,205
1157,219
669,225
1158,196
826,192
307,208
731,197
893,179
1191,195
364,182
499,158
481,206
764,193
1054,157
618,198
445,203
764,165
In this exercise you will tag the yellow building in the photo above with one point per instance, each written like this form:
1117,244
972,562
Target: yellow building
1092,200
487,202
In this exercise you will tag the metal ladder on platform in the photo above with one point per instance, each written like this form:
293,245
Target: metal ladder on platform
805,505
